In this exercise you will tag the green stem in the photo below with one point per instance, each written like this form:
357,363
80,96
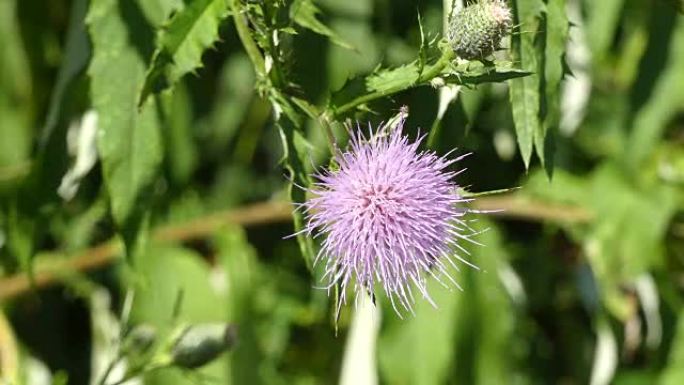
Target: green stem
246,39
139,372
428,74
431,141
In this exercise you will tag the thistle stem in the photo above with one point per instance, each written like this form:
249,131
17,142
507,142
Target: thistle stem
246,39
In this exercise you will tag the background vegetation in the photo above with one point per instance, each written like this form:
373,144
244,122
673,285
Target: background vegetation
148,150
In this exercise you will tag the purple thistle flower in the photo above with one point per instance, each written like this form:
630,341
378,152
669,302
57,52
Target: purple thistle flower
388,215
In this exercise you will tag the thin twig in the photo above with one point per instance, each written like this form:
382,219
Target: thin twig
520,207
103,254
508,205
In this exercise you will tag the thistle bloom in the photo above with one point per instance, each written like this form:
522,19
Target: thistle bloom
389,214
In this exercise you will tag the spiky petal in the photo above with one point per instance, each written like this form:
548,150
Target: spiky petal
389,215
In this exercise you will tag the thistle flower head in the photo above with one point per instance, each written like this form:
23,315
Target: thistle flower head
476,31
388,215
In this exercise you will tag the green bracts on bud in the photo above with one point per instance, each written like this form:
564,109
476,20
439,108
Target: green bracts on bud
198,345
476,31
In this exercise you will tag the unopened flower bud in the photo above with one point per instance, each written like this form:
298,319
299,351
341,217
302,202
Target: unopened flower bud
476,31
200,344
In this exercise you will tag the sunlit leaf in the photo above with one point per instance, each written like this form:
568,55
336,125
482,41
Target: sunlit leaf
242,275
181,43
524,92
169,271
556,36
129,139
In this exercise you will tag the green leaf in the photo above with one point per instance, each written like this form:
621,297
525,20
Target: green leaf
627,237
230,106
15,96
242,272
129,140
664,103
168,271
77,56
305,13
309,109
289,123
480,75
15,138
428,336
673,373
181,43
157,11
556,37
467,335
603,22
35,196
181,152
357,91
386,80
494,326
524,92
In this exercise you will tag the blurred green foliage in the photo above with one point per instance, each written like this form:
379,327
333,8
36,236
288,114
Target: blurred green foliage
205,106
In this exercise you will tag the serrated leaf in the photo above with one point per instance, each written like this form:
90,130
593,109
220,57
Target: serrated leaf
381,82
524,92
305,13
182,42
484,75
129,140
556,37
386,80
540,134
289,124
157,11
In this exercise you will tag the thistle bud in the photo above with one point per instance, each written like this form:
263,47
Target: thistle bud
476,31
198,345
